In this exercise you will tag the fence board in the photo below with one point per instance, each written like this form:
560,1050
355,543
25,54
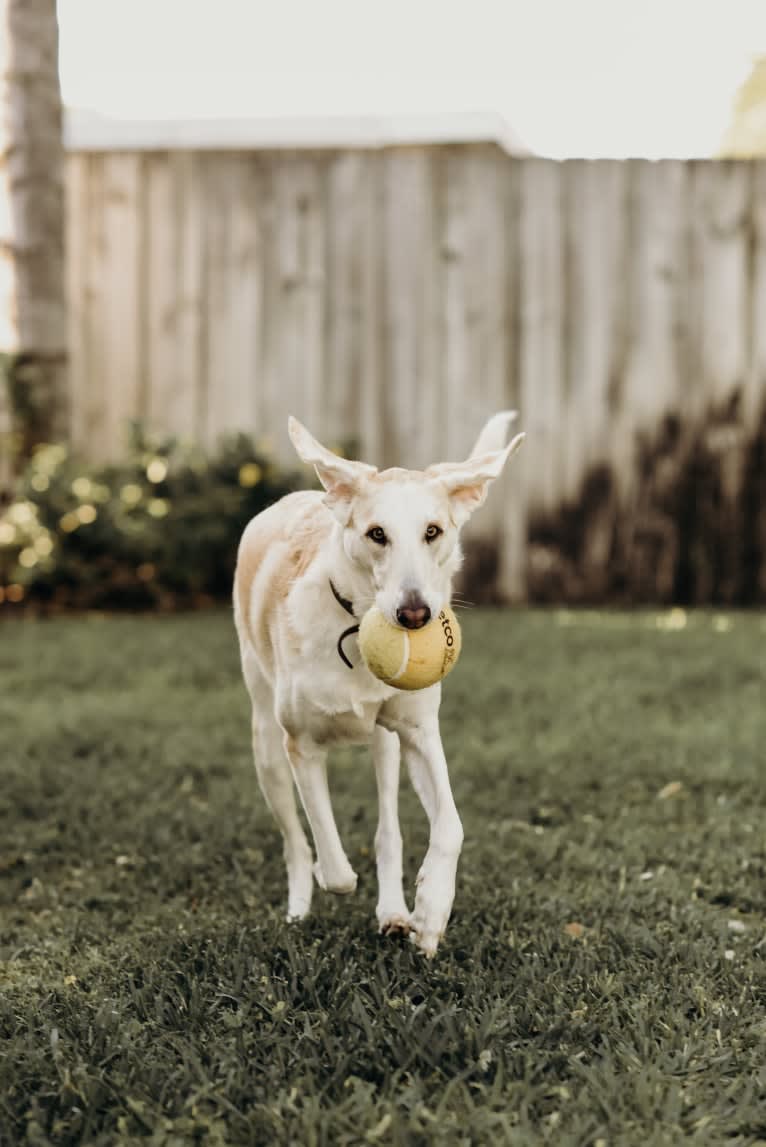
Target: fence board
512,544
410,333
542,351
76,288
186,416
371,426
233,295
474,255
348,187
297,304
165,387
720,223
120,299
754,406
220,352
649,381
755,389
94,419
596,228
475,344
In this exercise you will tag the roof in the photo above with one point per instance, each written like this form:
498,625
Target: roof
89,131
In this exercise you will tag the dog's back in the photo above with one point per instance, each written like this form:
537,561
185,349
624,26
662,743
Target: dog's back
276,548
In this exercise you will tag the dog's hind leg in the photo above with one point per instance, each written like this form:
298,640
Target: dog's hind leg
275,779
276,783
392,912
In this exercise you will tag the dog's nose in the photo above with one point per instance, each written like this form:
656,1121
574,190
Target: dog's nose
413,613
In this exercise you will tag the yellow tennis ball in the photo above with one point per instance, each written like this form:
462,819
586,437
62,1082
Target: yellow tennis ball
410,658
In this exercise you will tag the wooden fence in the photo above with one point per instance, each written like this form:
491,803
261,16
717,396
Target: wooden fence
395,298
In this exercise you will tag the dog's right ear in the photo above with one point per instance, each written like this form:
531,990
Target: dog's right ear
494,434
340,477
467,483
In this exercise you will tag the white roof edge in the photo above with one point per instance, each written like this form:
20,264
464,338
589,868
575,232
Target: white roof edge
89,131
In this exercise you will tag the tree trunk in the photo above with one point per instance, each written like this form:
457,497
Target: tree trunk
32,301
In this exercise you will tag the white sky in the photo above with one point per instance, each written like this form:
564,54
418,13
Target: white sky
571,77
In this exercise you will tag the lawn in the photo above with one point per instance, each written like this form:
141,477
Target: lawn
603,979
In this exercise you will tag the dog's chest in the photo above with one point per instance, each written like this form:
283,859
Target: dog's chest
339,705
344,727
327,698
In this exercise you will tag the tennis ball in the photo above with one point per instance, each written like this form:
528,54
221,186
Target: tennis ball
409,658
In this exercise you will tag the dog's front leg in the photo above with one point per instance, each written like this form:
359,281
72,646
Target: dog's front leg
392,912
416,721
309,764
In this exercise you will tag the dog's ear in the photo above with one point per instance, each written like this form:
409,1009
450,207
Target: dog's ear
340,477
494,434
467,482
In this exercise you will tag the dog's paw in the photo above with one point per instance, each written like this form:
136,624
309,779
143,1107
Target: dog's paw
297,912
299,903
342,882
427,930
433,906
394,923
300,886
426,942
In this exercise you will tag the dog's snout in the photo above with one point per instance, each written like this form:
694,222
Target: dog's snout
413,613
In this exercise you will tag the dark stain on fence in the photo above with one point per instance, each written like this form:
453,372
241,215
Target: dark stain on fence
690,530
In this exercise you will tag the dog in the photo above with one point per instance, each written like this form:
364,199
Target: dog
306,567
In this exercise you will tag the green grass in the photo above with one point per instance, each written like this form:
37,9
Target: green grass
151,990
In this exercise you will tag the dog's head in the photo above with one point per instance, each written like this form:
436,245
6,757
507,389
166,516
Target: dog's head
402,527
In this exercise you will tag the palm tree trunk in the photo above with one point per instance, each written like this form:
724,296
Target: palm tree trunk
32,300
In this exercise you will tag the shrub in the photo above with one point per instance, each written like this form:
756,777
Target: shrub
160,528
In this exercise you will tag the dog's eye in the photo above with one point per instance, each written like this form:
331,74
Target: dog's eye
433,532
378,535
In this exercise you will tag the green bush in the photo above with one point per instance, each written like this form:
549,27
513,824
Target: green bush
160,528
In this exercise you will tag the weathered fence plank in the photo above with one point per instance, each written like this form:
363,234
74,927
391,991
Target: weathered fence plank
76,287
234,320
93,418
754,406
542,353
596,319
187,415
296,305
166,388
596,322
654,367
512,515
410,339
719,214
755,380
347,208
476,343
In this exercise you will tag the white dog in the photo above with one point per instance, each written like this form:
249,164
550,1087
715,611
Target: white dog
305,564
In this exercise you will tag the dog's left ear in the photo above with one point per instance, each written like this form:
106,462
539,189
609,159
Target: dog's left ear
340,477
467,482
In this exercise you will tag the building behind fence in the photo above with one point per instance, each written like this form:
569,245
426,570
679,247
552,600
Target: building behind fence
393,298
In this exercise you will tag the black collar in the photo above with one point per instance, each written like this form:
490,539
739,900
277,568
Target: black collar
343,601
345,604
